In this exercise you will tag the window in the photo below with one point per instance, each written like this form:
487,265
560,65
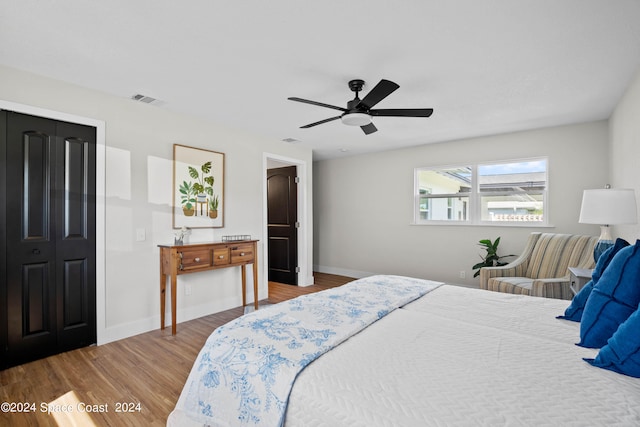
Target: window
496,193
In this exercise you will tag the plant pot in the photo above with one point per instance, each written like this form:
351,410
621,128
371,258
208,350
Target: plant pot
213,214
188,212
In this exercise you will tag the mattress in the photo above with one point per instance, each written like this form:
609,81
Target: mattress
456,357
461,356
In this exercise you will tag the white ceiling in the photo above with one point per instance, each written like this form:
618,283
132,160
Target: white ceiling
486,67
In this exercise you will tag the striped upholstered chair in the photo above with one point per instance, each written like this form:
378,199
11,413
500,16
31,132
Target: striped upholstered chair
542,269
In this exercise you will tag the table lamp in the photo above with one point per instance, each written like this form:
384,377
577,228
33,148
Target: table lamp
605,207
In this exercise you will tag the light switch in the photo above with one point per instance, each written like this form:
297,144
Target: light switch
141,235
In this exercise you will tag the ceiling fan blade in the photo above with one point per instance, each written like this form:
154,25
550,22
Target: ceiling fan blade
380,91
319,104
320,122
403,112
370,128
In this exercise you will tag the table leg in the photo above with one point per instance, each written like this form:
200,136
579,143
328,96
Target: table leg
244,285
254,266
163,298
174,293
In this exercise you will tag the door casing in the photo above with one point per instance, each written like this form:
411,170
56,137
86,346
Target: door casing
305,276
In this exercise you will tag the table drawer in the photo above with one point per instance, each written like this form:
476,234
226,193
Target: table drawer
242,253
195,258
221,256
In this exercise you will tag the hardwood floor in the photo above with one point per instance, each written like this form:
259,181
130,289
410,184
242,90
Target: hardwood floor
131,382
279,292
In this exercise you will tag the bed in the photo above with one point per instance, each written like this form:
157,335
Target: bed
423,353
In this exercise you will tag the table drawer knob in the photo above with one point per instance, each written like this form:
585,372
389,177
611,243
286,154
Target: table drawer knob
241,253
197,259
221,257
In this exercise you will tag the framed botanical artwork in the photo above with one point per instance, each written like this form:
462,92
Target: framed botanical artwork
198,187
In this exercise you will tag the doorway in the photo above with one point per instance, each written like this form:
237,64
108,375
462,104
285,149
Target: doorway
48,209
282,224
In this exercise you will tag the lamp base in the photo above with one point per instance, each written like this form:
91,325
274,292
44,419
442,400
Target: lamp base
600,247
605,241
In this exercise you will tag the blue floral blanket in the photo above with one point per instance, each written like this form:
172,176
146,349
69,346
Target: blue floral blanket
245,371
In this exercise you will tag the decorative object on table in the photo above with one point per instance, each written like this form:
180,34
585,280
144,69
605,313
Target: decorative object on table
608,206
236,238
198,187
180,236
491,258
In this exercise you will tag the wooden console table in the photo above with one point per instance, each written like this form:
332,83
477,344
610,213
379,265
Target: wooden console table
176,260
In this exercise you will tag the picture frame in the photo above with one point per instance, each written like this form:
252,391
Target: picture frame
198,187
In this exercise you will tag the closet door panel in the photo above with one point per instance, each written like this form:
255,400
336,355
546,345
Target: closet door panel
75,251
31,247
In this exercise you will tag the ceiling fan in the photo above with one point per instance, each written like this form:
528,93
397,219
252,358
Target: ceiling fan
359,111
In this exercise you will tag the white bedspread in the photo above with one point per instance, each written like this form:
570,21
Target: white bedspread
244,373
464,357
461,357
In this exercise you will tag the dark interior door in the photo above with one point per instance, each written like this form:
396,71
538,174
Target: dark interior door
50,237
282,223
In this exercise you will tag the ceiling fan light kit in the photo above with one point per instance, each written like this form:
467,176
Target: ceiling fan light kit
359,111
355,119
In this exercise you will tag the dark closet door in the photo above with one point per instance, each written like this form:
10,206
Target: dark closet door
282,223
50,237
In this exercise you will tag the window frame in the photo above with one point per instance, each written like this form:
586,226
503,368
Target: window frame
474,208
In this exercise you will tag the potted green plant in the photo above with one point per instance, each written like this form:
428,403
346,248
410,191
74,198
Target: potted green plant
204,181
491,258
187,198
213,207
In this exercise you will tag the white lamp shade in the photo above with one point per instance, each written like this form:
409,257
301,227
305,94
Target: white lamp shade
609,206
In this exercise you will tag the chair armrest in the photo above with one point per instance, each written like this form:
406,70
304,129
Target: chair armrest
516,268
556,287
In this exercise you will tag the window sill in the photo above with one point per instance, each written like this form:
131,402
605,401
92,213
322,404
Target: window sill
484,224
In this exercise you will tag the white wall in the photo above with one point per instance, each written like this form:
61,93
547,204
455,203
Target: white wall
624,130
363,205
139,152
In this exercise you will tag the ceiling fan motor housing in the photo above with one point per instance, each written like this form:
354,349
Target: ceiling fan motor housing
356,85
355,116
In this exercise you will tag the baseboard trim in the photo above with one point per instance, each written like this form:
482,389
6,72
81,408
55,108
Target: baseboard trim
342,271
130,329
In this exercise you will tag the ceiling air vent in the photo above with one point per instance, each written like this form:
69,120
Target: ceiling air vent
145,99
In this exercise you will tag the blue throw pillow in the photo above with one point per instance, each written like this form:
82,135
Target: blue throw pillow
622,352
613,299
576,308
